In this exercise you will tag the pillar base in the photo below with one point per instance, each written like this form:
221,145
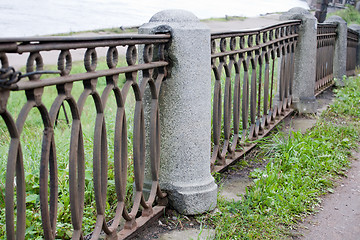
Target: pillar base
306,105
189,199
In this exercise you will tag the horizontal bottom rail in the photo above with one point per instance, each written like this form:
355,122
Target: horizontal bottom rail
247,148
142,222
322,89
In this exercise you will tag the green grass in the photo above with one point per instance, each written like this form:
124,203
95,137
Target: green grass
301,168
349,14
224,19
114,30
349,101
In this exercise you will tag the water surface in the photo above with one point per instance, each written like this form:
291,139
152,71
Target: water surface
29,18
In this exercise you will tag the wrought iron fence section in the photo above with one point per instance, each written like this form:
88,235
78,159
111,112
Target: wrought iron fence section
352,43
152,68
326,37
249,69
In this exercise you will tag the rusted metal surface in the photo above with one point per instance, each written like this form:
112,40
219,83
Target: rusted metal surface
326,37
152,68
253,75
352,44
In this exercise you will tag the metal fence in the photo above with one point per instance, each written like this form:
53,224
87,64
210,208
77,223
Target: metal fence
326,37
352,43
151,68
253,74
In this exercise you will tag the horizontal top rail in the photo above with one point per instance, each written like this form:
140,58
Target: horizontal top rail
250,49
321,35
254,31
353,31
250,41
326,29
35,44
320,25
352,35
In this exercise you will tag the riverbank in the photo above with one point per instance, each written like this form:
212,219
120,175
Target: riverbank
217,25
52,17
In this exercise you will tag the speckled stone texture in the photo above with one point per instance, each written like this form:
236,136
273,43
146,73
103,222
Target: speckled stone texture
340,48
356,28
185,112
357,7
305,58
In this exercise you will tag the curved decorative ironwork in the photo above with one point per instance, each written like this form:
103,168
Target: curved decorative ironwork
251,93
326,37
152,69
352,45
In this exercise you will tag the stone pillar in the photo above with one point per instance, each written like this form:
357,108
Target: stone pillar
185,113
340,48
356,28
304,99
357,7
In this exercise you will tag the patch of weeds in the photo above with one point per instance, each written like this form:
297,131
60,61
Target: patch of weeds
301,168
347,103
217,176
349,14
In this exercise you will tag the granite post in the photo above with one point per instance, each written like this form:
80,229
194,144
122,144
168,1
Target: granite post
304,100
357,6
356,28
185,113
340,49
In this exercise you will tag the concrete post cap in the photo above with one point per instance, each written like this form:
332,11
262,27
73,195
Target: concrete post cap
174,15
335,19
297,13
355,27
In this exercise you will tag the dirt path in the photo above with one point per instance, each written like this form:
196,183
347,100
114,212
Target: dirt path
339,215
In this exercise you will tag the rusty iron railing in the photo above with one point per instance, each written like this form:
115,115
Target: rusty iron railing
152,69
326,37
251,93
352,42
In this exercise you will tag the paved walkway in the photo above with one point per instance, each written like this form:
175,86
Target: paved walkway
248,23
339,215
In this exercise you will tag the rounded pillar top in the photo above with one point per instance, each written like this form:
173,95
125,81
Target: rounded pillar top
297,13
174,15
335,19
299,10
355,27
